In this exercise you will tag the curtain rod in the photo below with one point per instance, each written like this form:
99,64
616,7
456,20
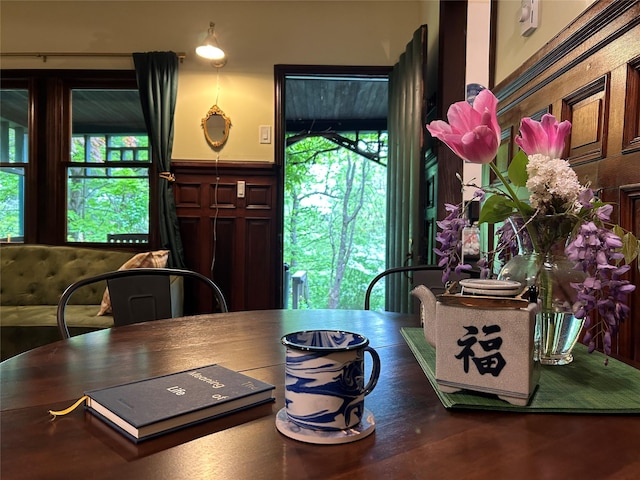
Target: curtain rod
44,55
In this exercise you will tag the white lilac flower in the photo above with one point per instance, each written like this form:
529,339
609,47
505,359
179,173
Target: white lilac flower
553,185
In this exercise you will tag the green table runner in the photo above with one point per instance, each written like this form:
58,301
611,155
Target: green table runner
584,386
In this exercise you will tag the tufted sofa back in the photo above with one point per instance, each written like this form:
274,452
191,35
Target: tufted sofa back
38,274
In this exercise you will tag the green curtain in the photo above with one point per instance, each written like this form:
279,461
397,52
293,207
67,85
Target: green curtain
405,171
157,76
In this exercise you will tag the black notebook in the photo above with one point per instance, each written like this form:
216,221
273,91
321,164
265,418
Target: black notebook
156,405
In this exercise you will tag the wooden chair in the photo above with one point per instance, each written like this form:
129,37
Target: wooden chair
138,294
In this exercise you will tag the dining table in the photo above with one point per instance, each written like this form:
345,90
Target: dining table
415,436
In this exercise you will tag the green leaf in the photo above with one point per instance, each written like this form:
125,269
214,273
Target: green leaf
496,208
630,244
518,169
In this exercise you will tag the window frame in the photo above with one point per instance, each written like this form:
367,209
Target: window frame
49,143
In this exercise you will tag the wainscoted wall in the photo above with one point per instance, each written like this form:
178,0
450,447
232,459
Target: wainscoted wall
227,234
590,74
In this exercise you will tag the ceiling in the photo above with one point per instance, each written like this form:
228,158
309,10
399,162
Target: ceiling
93,111
312,104
330,103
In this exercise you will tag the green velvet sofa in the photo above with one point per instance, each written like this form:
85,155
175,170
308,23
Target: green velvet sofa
32,278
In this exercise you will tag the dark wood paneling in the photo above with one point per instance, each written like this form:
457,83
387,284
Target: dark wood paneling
589,75
629,338
189,228
588,111
221,254
631,135
259,290
229,238
188,195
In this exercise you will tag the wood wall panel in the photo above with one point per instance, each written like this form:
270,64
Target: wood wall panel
187,195
631,135
259,197
629,338
223,195
221,243
589,75
227,237
588,111
189,228
259,290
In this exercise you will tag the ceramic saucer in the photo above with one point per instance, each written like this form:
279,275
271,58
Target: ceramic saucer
491,293
490,284
285,426
502,288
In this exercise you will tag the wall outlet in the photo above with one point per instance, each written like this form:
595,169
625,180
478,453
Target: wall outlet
528,17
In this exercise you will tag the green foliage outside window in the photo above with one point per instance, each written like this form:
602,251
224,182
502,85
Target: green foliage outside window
11,199
334,226
105,198
12,184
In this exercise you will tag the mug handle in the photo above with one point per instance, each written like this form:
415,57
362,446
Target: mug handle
375,371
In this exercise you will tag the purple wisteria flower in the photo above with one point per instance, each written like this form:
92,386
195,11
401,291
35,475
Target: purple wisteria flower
450,239
596,251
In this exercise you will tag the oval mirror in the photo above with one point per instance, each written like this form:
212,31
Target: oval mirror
216,127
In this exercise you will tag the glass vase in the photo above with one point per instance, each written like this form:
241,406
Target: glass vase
557,329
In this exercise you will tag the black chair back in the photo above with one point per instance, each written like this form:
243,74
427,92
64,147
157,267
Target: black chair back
138,294
139,298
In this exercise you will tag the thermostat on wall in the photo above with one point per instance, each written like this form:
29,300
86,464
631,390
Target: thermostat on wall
528,17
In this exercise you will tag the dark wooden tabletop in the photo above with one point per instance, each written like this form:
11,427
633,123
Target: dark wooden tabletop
415,436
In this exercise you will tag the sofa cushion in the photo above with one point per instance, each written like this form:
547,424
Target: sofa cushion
156,259
45,316
37,274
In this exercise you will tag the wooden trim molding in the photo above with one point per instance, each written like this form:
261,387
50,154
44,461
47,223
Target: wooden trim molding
603,23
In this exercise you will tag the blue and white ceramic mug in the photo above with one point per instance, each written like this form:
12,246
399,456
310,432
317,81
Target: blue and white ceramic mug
325,384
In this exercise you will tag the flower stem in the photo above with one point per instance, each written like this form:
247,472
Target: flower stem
519,204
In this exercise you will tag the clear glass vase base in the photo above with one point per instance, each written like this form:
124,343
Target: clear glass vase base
565,360
556,334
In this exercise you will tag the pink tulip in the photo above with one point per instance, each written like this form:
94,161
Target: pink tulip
472,133
545,137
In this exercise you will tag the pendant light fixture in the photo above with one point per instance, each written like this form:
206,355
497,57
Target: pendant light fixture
210,49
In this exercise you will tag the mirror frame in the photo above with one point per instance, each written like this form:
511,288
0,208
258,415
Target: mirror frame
216,111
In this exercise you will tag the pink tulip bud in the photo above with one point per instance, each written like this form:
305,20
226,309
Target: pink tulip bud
473,133
545,137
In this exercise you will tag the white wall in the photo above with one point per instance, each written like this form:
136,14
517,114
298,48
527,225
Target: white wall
255,34
477,69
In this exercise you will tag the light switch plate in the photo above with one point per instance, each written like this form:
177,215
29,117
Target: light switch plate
265,134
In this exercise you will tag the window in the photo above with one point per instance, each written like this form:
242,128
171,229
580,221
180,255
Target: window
87,178
13,157
108,173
